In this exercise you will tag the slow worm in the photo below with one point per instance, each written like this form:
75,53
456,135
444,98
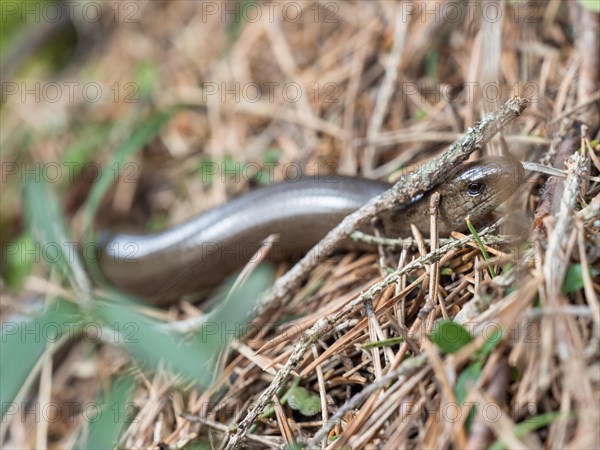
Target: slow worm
200,252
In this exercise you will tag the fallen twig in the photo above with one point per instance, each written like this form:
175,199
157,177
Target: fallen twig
409,187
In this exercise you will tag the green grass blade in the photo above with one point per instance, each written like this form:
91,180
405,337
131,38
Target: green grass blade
138,139
113,412
484,252
529,425
153,344
45,220
23,343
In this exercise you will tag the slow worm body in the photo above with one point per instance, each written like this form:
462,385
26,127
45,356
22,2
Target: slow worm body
200,252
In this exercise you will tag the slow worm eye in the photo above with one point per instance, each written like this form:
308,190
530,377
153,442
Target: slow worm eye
475,188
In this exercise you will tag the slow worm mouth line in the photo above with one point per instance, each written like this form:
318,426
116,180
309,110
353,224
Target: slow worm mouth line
301,213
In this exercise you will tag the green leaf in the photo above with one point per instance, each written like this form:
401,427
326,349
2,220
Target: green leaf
383,343
306,402
200,444
207,170
489,344
272,155
515,374
269,410
446,271
19,258
592,5
420,114
522,428
241,11
431,64
574,278
112,412
450,336
270,158
24,340
146,78
466,380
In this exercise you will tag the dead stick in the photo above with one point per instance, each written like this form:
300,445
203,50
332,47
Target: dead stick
407,188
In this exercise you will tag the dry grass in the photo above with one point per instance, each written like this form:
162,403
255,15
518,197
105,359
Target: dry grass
370,76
